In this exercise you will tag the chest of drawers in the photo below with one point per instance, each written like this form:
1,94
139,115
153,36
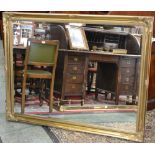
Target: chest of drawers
71,73
129,69
129,77
119,77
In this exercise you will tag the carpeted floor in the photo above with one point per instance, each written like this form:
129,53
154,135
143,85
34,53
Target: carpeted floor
67,136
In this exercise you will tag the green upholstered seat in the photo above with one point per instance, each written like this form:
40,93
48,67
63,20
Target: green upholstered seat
38,72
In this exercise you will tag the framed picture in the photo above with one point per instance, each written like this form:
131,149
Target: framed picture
77,38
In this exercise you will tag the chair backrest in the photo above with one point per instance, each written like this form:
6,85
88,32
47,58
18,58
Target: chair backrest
42,52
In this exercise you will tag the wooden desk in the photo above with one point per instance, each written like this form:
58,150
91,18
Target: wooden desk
123,68
116,73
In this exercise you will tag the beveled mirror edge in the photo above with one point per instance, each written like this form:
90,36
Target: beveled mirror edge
145,74
146,22
138,136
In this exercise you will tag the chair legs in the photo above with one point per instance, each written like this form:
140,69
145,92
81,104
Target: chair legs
41,92
23,95
51,96
89,81
40,95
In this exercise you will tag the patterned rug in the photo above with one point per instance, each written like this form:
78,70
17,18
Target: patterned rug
66,136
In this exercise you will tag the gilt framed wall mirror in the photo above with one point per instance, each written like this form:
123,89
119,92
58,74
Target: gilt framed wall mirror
102,90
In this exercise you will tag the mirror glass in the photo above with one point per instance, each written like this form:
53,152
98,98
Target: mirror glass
97,72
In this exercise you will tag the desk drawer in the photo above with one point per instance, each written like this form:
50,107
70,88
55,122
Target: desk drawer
73,88
74,78
75,68
127,79
126,88
126,62
127,71
76,59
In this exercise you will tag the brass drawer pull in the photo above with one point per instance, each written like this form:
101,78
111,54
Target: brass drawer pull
75,68
73,86
128,62
128,70
127,79
126,87
74,78
75,59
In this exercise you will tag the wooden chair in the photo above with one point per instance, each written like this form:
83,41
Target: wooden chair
40,53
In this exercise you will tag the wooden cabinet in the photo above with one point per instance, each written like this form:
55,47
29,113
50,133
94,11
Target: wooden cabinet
71,73
129,75
119,77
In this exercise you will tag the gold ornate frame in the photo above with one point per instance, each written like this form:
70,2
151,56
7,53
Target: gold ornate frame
145,22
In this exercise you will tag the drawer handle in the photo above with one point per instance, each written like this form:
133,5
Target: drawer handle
76,59
127,79
74,78
73,86
128,70
75,68
126,87
128,62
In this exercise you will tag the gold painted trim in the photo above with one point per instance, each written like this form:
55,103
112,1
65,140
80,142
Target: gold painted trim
106,107
77,127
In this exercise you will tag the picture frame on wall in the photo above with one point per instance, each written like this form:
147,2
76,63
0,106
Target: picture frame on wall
77,38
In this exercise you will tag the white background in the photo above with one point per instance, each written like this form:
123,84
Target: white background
76,5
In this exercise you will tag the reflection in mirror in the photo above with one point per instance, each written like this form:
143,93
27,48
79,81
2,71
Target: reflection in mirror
96,84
